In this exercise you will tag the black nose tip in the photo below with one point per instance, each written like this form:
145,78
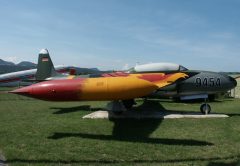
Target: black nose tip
233,81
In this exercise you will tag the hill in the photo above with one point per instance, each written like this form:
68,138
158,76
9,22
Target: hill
27,64
7,67
2,62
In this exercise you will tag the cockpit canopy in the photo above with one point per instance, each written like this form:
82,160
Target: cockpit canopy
157,67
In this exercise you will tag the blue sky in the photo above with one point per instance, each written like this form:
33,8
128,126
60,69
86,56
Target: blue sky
116,34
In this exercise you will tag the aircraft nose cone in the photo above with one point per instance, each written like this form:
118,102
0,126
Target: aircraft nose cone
234,82
26,91
56,90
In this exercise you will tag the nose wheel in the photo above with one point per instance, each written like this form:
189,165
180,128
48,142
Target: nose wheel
205,108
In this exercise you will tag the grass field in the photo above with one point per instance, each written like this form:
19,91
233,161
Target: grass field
34,132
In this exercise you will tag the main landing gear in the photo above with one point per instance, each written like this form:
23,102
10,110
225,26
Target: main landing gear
118,107
205,108
128,104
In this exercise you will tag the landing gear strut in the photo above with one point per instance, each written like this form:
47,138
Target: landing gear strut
205,108
118,107
128,104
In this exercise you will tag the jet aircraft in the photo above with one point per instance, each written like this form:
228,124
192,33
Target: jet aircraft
126,86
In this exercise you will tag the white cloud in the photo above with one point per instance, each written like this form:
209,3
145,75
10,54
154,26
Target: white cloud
13,59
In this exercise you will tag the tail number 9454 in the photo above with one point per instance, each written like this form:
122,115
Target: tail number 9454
208,82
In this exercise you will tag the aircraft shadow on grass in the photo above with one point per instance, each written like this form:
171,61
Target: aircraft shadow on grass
232,114
127,138
147,106
213,161
64,110
135,130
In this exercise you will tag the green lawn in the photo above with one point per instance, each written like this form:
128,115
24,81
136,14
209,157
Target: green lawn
34,132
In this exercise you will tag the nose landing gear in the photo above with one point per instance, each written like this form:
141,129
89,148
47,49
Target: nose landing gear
205,108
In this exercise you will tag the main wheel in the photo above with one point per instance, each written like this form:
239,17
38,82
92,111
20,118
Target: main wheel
128,104
205,108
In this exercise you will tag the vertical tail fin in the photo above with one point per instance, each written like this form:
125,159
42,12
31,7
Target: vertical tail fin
45,68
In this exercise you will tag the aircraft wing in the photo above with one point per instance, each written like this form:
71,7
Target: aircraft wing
161,79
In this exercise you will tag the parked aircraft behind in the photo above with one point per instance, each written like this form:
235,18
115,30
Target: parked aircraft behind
21,78
45,71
